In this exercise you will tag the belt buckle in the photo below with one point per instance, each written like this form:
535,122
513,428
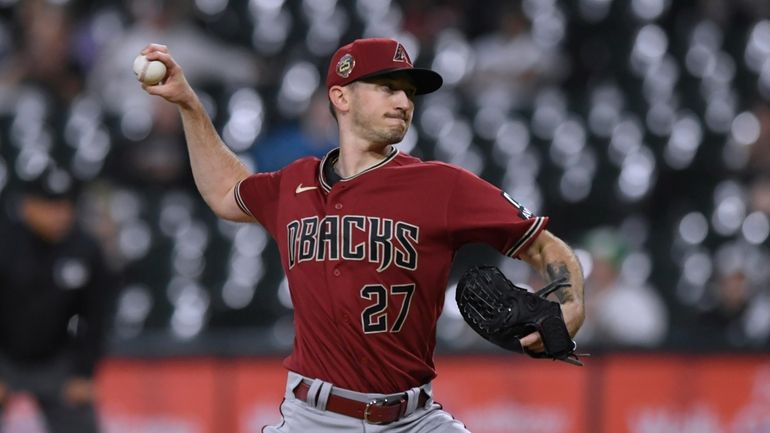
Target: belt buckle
376,402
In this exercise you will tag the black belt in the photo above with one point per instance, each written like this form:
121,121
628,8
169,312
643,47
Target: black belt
383,410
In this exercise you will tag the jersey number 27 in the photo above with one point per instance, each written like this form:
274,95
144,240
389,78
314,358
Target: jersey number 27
375,317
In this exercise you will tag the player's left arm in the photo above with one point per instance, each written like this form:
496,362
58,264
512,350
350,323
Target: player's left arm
554,259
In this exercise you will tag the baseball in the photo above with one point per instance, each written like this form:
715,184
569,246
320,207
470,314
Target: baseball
150,72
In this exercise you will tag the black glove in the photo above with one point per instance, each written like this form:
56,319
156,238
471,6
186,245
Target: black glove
502,313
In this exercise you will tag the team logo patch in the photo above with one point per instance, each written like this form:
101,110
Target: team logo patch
401,55
345,65
524,213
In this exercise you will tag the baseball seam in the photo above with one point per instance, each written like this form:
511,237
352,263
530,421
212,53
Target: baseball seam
144,70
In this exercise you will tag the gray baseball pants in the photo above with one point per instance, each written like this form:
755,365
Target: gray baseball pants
304,417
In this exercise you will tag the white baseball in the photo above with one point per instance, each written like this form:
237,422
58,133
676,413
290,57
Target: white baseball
150,72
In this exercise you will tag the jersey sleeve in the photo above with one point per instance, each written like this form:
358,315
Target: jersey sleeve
258,195
479,212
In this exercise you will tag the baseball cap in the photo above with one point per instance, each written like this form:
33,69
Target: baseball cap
372,57
53,183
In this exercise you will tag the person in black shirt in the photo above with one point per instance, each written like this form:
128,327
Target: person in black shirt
54,293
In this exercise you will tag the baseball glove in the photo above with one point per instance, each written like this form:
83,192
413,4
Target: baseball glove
502,313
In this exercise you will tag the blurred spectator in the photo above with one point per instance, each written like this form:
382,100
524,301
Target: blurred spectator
42,56
511,66
206,60
313,134
156,161
150,152
427,18
725,11
54,296
620,309
723,320
736,311
759,160
759,193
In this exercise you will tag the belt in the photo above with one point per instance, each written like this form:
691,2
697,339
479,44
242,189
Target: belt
378,411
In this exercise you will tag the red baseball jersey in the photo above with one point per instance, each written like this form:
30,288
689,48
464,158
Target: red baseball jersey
368,259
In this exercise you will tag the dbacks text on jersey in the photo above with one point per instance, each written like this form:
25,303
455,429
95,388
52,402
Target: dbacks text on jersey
353,237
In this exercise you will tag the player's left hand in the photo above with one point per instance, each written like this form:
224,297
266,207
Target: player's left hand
78,390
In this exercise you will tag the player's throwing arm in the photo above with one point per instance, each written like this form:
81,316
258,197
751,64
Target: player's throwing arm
215,168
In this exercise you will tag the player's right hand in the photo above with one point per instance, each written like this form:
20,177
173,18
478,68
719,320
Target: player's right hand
174,88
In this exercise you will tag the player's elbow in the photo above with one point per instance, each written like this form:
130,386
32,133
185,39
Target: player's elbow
225,207
238,217
534,255
228,210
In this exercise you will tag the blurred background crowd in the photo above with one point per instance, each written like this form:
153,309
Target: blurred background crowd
641,127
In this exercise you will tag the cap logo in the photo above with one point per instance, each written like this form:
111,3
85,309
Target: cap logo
401,55
345,65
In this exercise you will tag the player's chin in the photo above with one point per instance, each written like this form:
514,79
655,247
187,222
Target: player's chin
395,138
397,133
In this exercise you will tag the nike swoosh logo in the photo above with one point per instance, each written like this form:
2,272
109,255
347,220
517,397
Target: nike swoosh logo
301,188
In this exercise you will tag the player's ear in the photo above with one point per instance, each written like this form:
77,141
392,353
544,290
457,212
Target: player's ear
339,98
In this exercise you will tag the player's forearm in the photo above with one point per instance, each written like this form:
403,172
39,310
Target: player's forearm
560,262
215,168
552,257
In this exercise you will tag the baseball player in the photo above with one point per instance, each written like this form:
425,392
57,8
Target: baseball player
367,236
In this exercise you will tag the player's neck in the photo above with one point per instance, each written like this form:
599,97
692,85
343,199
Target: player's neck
353,160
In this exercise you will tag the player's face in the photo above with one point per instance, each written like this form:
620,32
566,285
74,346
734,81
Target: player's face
382,108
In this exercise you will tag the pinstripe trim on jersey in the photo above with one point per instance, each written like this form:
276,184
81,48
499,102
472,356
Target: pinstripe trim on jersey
533,230
239,199
332,157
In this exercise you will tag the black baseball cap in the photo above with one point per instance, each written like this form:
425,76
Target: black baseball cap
53,183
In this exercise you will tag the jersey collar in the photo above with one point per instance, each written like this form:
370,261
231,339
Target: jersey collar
326,181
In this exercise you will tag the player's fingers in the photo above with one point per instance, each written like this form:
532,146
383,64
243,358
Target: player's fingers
177,91
153,48
532,342
152,90
530,339
165,58
158,90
